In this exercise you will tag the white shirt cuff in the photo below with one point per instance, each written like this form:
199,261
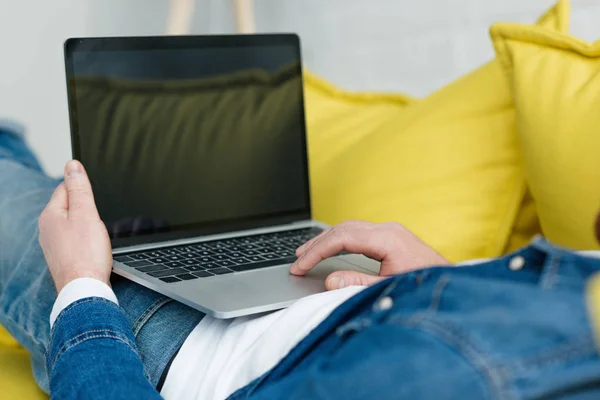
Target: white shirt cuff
79,289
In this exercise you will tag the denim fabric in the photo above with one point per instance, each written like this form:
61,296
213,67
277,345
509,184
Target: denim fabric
478,332
93,355
27,293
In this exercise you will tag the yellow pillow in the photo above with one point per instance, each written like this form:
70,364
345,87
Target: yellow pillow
556,88
593,305
337,119
526,225
6,340
447,167
16,378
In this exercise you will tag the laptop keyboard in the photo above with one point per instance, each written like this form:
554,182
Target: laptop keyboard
206,259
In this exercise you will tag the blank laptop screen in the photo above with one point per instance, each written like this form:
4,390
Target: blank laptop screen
184,136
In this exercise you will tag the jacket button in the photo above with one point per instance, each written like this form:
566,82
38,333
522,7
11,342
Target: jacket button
385,303
516,263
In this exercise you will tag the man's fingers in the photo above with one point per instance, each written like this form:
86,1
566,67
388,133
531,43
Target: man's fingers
308,244
79,192
342,279
353,237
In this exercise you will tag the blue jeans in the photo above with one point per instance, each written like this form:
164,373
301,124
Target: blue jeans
27,292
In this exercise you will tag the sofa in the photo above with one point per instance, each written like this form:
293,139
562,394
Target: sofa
462,167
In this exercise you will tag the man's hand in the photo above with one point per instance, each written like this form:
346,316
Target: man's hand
74,239
395,246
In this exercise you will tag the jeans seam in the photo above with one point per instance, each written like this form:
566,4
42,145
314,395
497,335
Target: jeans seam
446,333
148,313
90,335
549,276
582,346
438,290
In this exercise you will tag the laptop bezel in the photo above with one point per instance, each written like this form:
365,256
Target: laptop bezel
72,45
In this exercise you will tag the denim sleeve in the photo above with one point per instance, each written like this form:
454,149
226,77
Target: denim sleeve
92,354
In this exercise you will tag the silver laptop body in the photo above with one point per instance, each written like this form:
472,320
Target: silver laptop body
192,142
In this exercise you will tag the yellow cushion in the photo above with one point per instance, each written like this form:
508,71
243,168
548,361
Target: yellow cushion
556,86
16,379
337,119
593,304
526,225
6,340
447,167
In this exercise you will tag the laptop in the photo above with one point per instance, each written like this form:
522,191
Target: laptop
197,153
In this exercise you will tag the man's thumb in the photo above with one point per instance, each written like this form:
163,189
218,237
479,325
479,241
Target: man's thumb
79,192
342,279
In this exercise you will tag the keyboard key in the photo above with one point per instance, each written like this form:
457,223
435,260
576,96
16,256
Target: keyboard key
154,254
265,250
158,260
136,264
221,271
190,261
175,257
193,268
256,258
186,277
152,268
168,252
174,264
220,257
184,250
205,259
139,256
202,274
160,274
270,263
225,263
241,260
188,255
270,256
210,265
250,253
235,254
170,279
284,254
205,253
123,258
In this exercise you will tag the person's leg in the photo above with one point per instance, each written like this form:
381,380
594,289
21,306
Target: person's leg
27,292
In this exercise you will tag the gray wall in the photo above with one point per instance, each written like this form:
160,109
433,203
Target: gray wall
412,46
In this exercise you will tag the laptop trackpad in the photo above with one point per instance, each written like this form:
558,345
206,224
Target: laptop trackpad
351,262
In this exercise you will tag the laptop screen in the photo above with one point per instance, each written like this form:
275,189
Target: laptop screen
184,136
